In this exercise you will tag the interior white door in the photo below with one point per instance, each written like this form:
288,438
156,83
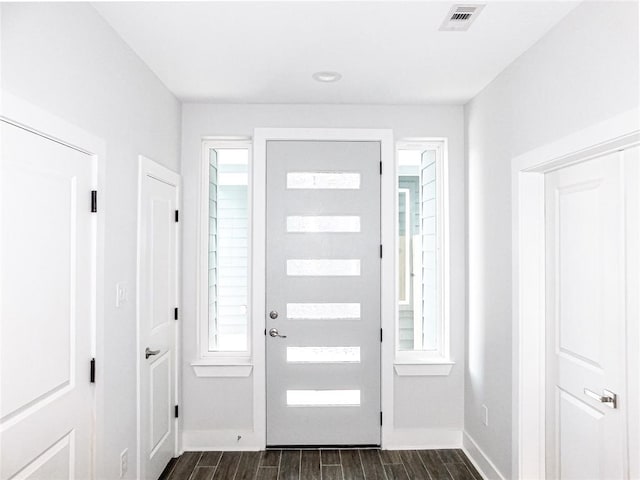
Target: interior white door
158,300
323,293
586,368
46,399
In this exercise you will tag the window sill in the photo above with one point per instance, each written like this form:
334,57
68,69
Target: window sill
222,367
424,368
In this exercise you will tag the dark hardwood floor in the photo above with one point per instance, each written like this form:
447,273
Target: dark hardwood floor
323,465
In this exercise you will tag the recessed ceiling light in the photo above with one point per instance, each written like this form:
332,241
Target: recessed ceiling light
327,77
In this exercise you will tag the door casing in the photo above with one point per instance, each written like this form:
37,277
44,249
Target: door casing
528,257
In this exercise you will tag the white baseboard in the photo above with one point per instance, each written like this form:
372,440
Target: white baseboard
399,439
209,440
483,464
422,438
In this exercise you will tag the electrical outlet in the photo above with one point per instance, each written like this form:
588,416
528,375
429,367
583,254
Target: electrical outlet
121,294
485,415
124,462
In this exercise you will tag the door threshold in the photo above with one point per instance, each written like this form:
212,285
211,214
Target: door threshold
321,447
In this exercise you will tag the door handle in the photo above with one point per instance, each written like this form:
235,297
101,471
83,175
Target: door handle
274,333
148,352
610,399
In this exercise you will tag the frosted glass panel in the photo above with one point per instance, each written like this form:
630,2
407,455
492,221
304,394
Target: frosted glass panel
332,180
323,354
313,224
320,311
332,268
323,398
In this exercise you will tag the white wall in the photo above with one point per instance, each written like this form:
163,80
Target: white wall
66,60
218,409
585,70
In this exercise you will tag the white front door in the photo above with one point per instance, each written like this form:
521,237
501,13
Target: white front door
323,293
157,315
586,406
47,248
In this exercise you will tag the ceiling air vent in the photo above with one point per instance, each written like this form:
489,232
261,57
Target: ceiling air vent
460,17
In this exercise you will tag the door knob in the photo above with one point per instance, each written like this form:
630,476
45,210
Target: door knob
148,352
610,399
274,333
273,314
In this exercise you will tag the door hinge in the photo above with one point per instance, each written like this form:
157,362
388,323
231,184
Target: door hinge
380,168
175,411
92,371
380,335
175,313
94,201
177,216
380,250
381,418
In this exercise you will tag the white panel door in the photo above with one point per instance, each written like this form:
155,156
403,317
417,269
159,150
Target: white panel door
158,299
46,399
586,322
323,293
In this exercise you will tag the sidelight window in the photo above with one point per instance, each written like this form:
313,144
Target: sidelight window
421,328
227,325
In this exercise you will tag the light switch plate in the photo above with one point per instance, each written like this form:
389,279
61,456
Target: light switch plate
122,294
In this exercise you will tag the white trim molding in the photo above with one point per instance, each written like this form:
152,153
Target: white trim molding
424,438
529,276
479,459
423,369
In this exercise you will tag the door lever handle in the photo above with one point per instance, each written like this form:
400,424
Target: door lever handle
148,352
610,399
274,333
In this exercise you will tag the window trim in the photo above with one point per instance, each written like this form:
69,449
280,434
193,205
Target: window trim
417,359
225,363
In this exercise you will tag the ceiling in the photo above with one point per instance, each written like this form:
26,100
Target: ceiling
388,52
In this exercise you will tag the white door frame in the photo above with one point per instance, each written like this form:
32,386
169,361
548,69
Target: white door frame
30,117
528,294
258,263
148,167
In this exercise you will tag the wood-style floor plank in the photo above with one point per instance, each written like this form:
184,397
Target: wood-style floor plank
351,465
450,455
289,465
414,466
330,457
373,469
185,465
332,472
471,467
270,458
390,456
168,469
202,473
209,459
434,465
459,471
227,466
396,471
314,464
310,465
267,473
248,467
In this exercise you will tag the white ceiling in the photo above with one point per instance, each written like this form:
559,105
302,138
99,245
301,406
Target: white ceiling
388,52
